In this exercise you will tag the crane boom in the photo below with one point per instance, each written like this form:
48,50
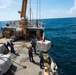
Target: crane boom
23,10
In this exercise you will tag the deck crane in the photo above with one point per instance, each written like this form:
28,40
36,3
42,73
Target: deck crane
23,22
23,12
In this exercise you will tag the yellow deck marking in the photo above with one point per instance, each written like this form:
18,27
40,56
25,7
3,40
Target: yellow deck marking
21,46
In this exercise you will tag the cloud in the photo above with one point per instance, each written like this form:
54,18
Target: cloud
11,16
73,9
2,7
6,3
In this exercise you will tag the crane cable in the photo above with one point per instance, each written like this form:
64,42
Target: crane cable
38,11
30,13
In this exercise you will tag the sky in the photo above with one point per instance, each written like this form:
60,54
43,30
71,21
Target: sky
48,9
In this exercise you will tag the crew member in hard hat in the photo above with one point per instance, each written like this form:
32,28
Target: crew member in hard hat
12,47
30,52
33,42
41,59
43,23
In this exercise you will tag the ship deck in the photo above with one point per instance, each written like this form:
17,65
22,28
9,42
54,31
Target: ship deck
21,63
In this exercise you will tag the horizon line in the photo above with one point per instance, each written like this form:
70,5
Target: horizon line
39,19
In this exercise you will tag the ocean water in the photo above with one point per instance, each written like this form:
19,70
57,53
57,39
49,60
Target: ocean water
62,33
0,25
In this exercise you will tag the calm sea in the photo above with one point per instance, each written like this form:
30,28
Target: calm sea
0,25
62,33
